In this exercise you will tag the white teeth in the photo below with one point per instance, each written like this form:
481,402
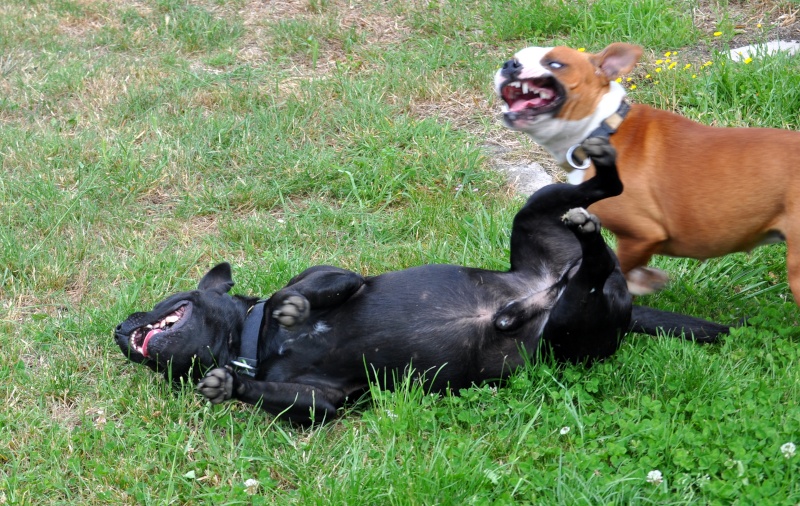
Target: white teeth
525,88
172,318
544,94
516,84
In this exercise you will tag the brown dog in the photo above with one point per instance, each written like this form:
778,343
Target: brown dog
690,190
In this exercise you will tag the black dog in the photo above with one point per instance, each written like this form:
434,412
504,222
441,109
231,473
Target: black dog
328,333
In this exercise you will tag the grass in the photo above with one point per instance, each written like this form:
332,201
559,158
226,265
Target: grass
142,142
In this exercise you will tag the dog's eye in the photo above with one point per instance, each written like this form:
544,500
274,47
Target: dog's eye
555,65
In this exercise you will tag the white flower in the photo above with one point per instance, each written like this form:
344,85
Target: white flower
655,477
788,449
251,486
564,431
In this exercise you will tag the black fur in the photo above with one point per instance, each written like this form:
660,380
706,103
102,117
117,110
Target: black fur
330,331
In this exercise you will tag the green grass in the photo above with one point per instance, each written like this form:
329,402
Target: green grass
142,142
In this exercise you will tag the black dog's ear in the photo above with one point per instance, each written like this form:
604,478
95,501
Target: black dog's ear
218,278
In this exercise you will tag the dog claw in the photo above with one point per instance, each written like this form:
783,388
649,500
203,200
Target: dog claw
581,220
217,386
293,310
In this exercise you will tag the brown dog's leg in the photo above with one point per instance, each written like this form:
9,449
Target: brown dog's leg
633,257
793,264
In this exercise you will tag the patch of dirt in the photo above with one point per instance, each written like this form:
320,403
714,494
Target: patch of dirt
375,24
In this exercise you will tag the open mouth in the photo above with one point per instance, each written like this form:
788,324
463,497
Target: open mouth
141,336
530,97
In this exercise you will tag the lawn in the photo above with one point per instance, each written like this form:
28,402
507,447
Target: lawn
143,141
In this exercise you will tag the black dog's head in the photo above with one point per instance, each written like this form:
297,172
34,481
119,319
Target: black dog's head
188,332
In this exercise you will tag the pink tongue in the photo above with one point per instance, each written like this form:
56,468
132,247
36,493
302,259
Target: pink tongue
147,340
521,105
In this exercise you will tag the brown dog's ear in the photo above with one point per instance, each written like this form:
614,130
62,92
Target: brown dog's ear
616,59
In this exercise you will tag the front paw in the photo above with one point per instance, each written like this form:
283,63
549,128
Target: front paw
600,150
217,386
292,310
582,221
646,280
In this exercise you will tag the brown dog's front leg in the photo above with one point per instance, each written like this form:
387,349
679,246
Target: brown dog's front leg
793,268
634,254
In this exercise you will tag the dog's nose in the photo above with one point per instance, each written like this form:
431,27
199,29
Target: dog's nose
511,68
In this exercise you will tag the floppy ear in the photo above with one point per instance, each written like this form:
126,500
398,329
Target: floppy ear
218,278
616,59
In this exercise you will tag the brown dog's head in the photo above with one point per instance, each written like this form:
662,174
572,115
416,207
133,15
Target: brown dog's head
541,84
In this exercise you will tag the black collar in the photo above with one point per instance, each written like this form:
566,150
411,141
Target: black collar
576,157
247,361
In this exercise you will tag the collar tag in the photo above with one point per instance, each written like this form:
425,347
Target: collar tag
244,365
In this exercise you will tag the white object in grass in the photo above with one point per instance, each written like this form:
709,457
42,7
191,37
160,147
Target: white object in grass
655,477
768,48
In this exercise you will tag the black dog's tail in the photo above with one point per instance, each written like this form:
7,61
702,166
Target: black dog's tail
652,321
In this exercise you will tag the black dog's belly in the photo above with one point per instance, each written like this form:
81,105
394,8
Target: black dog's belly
438,320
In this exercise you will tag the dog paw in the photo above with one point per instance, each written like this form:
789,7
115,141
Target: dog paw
599,150
580,220
217,386
292,310
646,280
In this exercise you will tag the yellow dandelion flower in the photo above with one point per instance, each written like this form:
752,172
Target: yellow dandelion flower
581,49
717,34
659,62
668,53
747,60
633,86
629,79
667,60
758,25
647,76
672,65
694,76
708,63
658,69
619,79
687,66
